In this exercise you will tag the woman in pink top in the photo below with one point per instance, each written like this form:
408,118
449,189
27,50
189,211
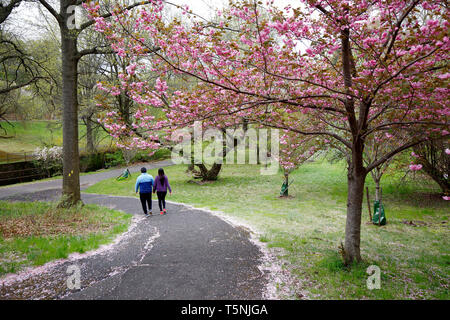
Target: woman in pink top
160,188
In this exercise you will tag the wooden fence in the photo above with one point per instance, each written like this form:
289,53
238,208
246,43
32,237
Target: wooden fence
6,157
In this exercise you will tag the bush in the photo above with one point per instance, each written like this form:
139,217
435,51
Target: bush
93,162
115,159
49,160
143,156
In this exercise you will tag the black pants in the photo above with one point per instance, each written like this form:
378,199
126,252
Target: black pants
161,199
146,198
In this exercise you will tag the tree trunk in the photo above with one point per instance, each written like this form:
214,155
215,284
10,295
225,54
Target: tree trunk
437,176
440,180
377,190
211,174
71,159
90,146
245,122
356,179
191,166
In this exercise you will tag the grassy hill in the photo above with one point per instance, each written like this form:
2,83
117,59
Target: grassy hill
26,136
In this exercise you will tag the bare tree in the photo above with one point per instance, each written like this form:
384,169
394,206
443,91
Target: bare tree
18,70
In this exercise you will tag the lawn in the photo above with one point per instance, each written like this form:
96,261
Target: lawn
26,136
414,258
32,234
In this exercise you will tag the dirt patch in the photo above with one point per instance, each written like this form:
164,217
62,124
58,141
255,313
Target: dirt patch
286,197
415,223
418,223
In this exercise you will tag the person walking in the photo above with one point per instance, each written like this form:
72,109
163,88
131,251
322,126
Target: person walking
160,187
144,185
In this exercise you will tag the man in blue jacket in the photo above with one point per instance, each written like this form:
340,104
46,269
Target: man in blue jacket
144,185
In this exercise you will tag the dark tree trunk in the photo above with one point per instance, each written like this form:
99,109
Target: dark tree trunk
124,107
435,162
71,160
245,122
356,171
124,102
258,162
436,176
356,179
211,174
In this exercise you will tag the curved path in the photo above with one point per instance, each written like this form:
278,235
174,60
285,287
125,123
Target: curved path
186,254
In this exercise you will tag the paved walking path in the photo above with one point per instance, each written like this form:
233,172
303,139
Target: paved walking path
186,254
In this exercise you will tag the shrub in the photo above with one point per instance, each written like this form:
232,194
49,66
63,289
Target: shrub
49,159
114,159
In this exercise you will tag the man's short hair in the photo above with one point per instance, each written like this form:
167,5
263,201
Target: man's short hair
143,170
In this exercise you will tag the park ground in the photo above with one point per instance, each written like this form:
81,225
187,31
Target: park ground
412,250
34,233
186,254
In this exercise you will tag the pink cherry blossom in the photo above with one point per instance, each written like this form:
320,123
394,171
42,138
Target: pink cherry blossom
415,167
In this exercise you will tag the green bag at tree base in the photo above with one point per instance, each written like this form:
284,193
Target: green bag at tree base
379,214
284,189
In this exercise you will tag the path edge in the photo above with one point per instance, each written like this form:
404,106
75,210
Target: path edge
271,263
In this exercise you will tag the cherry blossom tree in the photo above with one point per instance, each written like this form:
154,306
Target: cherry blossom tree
355,69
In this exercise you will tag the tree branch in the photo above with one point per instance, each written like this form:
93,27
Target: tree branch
95,50
5,11
52,11
306,133
393,153
109,14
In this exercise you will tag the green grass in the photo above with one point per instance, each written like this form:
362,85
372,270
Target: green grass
32,234
414,261
26,136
